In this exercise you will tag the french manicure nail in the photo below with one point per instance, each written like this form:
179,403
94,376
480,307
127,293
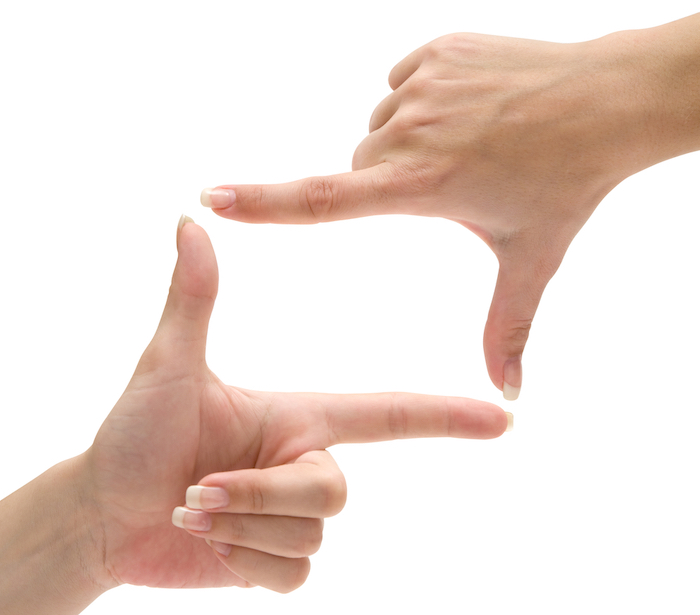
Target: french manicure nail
183,220
201,497
217,198
195,520
510,393
512,378
509,416
221,547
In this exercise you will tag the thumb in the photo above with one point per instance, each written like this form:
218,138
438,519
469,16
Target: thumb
182,332
308,201
519,289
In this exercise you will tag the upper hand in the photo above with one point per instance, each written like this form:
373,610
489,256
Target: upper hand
517,140
177,426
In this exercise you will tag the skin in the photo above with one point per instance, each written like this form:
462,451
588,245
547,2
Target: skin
517,140
103,518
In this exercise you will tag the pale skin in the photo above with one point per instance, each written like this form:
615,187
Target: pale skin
177,436
517,140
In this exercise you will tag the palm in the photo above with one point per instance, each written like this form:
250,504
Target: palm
163,438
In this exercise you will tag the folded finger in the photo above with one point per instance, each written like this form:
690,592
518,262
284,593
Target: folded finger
284,536
404,69
314,488
280,574
384,111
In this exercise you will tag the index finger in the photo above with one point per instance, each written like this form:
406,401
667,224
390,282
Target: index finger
345,419
355,194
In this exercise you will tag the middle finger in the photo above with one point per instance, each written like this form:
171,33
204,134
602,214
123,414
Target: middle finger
291,537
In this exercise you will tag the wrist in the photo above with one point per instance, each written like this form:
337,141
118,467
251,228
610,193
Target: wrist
656,90
90,539
51,545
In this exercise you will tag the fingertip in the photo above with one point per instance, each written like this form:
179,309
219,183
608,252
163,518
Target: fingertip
475,419
196,274
221,548
502,424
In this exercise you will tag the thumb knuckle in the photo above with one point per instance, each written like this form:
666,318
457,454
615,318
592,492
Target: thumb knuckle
517,333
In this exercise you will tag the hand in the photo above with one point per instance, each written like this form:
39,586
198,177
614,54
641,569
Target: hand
518,141
259,478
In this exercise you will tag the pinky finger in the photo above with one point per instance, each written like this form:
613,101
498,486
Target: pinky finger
280,574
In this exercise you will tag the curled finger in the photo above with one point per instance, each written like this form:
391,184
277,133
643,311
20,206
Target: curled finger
280,574
312,487
291,537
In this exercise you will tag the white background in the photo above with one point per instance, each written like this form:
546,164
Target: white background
114,115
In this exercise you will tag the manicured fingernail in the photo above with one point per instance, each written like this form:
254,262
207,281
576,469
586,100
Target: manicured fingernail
200,497
222,548
217,198
512,378
183,220
195,520
509,416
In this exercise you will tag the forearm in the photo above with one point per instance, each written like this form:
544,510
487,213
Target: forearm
50,548
661,76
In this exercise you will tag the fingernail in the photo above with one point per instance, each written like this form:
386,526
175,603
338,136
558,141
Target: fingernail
512,378
183,220
195,520
222,548
509,416
217,198
200,497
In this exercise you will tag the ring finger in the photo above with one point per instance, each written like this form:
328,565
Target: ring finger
291,537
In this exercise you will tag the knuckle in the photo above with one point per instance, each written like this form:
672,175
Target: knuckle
257,197
256,498
398,418
236,528
453,412
456,44
517,334
332,493
318,195
421,84
298,573
250,203
310,541
422,175
405,123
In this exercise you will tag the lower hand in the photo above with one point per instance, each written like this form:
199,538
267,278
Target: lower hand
179,433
